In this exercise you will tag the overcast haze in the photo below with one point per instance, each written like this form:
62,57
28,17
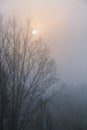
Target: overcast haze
63,24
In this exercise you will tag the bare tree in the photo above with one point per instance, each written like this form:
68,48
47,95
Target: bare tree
45,116
29,72
3,80
42,120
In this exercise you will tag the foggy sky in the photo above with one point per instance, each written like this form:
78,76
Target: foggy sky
63,23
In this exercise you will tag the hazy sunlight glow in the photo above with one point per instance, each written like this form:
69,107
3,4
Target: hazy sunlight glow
34,32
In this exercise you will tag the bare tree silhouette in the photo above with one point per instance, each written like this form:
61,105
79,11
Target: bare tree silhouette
27,73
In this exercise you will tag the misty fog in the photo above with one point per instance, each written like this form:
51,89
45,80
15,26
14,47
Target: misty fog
63,25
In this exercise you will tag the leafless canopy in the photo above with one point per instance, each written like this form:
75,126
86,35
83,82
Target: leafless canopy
26,74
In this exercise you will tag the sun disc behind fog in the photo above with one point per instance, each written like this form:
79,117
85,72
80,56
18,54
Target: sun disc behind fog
34,32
